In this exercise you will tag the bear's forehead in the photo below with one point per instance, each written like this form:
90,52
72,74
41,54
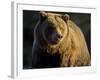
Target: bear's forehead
55,20
52,18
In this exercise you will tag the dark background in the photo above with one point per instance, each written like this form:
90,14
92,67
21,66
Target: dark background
30,18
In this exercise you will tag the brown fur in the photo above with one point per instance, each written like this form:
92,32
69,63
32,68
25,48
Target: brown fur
72,49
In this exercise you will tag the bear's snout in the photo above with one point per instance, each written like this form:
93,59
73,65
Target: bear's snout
56,37
59,36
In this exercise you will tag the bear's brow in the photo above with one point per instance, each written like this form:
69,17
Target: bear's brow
52,20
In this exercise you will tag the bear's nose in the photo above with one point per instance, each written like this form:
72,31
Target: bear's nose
59,36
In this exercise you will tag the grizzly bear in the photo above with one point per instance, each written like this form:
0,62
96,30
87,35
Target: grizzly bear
59,41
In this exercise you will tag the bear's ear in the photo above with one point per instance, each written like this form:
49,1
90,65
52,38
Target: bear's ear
65,17
43,15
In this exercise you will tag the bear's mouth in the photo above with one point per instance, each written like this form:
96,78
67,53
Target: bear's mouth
56,41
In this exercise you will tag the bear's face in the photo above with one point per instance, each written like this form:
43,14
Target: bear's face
54,28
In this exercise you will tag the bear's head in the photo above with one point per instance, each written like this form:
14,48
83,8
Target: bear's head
54,27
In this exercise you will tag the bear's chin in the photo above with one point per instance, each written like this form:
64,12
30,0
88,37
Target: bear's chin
55,42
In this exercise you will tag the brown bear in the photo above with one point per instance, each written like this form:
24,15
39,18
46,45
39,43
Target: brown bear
57,34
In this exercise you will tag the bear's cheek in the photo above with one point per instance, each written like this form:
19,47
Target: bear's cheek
48,37
64,32
53,37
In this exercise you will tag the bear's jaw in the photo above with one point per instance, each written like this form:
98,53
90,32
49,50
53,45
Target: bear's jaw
52,49
54,42
60,48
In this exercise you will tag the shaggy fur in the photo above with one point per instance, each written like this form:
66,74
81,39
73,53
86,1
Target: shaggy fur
71,48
